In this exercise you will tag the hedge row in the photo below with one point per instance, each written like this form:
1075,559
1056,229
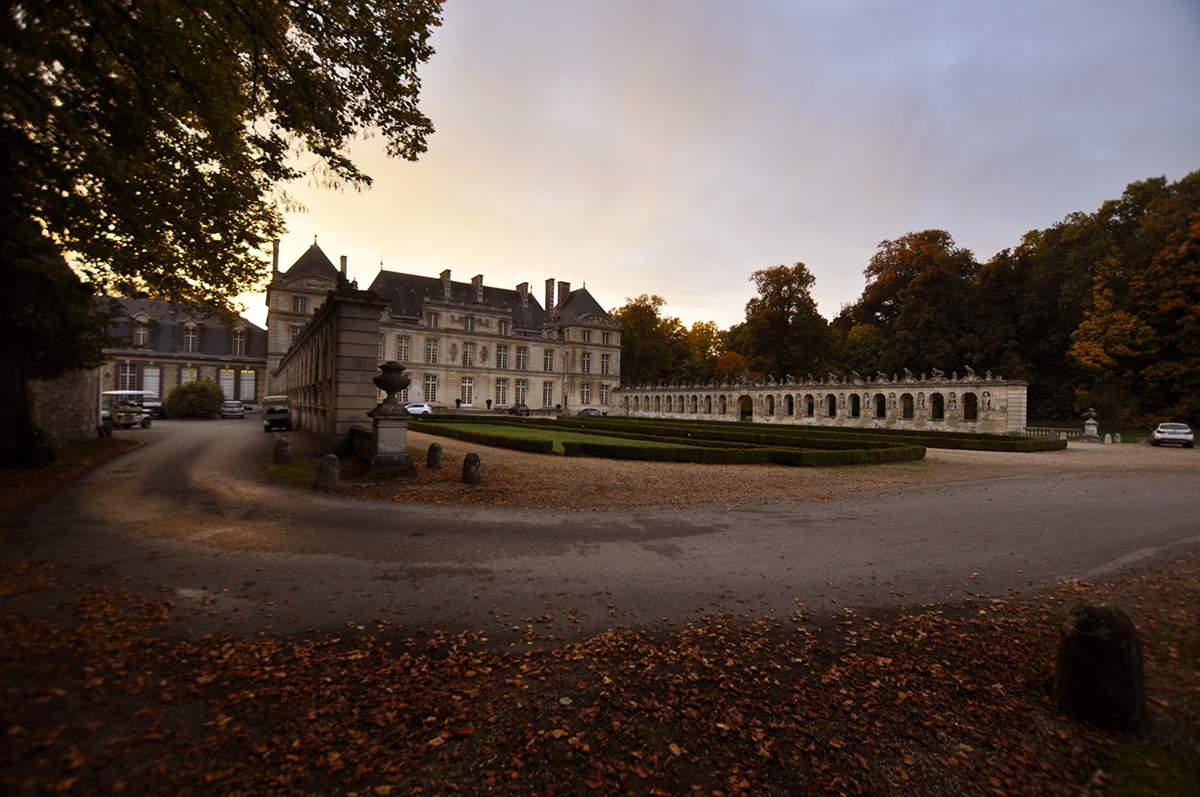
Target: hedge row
488,439
745,456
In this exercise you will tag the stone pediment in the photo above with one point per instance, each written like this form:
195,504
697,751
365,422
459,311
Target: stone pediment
312,283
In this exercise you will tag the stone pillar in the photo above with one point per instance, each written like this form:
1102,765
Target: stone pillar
1091,429
389,423
1099,677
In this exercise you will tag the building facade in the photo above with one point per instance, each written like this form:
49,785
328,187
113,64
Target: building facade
467,345
157,345
973,403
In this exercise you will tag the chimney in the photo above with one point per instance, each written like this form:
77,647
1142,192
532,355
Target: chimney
523,292
549,294
275,258
564,288
477,284
343,267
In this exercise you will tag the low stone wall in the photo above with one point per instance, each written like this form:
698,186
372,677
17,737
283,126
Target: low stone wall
983,404
67,408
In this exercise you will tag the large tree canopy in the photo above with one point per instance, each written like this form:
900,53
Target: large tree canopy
784,332
149,139
148,143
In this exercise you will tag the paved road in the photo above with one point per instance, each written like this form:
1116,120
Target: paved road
189,518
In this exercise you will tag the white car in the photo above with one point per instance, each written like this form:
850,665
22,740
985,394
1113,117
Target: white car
1179,433
233,409
418,409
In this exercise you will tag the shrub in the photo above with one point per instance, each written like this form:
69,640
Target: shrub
199,399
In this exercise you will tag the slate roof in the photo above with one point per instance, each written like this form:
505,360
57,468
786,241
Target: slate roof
405,293
313,263
166,336
579,303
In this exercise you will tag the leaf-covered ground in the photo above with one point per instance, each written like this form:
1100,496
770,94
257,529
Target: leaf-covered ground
99,697
937,700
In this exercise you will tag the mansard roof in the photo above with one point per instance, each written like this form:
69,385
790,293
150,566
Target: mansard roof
168,318
406,293
313,263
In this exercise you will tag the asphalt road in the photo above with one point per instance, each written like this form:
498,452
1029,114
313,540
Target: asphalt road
190,518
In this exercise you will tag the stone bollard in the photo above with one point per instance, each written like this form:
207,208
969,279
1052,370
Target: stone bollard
1098,677
472,469
283,450
329,474
1117,437
1108,440
434,459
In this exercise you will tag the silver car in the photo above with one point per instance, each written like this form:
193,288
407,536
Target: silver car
1179,433
233,409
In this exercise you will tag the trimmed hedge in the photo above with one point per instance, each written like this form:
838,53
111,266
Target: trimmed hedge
745,456
487,439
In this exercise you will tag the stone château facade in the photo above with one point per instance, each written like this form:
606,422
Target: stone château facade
972,403
466,344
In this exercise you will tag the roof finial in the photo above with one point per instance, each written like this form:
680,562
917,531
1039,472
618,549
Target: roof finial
314,240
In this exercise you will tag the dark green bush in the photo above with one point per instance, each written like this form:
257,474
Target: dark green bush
199,399
484,438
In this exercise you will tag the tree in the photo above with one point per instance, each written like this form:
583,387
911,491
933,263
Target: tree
147,142
784,332
653,347
704,346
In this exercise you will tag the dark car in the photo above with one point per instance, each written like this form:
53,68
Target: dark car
589,411
518,409
1179,433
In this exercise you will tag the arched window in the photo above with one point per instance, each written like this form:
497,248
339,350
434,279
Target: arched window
770,405
970,407
937,407
831,405
810,405
708,405
880,406
724,405
906,406
855,406
695,404
791,404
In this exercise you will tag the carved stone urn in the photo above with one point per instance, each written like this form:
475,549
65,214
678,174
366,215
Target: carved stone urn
392,380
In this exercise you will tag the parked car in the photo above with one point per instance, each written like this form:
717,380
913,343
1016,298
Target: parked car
155,408
589,411
518,409
277,413
1179,433
419,409
233,409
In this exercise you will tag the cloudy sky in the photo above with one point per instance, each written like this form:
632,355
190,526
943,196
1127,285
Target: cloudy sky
673,147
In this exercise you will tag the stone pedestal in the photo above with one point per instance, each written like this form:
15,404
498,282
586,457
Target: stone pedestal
1091,429
389,456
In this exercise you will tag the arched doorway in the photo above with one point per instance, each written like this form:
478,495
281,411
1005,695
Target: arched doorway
746,408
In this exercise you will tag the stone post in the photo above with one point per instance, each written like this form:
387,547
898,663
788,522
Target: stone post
329,474
1091,429
1099,677
283,450
472,469
389,424
434,458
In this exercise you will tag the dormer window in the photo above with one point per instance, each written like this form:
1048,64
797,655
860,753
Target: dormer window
434,320
191,339
239,343
141,335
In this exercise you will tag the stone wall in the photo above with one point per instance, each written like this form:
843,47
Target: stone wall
973,403
329,369
67,408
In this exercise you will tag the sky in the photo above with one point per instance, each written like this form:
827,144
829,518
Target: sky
675,147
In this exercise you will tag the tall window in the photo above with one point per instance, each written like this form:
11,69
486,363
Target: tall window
547,394
296,330
548,360
502,356
605,338
604,392
188,375
191,340
299,304
382,348
152,380
501,392
468,360
469,323
585,362
226,381
239,343
585,393
246,390
127,377
587,336
522,358
467,392
431,351
521,389
141,335
433,319
503,327
430,389
605,363
403,348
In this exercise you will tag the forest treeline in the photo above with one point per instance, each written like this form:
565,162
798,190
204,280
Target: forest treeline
1101,310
